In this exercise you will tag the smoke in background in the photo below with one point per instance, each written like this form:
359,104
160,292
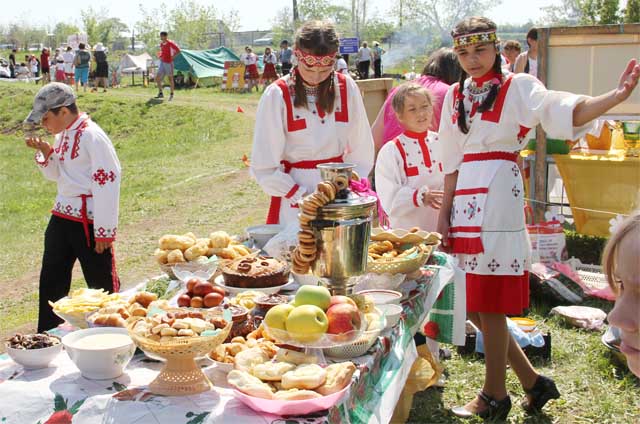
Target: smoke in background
409,43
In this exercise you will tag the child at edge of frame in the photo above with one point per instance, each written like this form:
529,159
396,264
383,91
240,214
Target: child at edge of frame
84,219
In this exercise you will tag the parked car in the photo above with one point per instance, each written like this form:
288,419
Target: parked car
267,40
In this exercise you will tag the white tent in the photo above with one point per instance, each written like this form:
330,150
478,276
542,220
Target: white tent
130,64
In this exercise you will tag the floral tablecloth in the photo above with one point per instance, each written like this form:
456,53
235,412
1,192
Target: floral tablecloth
59,394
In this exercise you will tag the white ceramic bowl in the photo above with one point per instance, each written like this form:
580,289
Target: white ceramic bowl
392,312
34,358
99,363
261,234
382,297
305,279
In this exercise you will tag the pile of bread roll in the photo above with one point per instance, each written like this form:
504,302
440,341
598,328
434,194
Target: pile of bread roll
289,375
173,249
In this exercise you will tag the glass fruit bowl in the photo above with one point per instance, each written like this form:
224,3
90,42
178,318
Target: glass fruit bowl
317,340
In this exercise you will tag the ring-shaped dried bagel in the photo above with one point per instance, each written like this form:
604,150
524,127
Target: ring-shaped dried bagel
307,257
327,189
309,208
306,235
341,182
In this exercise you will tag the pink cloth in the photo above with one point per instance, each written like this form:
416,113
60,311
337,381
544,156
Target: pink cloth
363,188
438,89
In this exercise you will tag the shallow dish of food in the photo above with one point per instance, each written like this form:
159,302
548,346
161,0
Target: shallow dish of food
261,234
219,280
33,351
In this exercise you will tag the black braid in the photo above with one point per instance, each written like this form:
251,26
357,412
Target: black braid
493,93
462,115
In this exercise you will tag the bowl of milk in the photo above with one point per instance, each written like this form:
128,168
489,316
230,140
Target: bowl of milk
100,353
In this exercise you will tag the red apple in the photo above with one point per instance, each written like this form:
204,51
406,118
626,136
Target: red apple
184,300
341,299
218,289
343,317
212,299
196,302
191,284
203,288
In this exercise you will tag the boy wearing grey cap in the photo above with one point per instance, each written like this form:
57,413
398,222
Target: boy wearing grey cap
84,164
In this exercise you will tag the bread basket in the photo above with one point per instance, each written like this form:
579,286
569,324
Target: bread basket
405,265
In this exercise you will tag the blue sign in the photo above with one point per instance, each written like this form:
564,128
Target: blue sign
349,45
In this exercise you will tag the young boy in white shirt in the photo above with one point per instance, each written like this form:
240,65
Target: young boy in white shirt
84,165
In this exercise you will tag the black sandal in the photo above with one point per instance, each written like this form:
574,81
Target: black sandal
542,392
497,409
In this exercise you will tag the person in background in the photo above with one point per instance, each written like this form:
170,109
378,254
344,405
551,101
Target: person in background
12,63
69,58
341,65
441,70
251,74
377,59
59,67
82,61
622,268
102,67
364,60
22,71
409,177
527,62
285,57
269,72
34,69
44,65
511,49
312,116
167,53
84,165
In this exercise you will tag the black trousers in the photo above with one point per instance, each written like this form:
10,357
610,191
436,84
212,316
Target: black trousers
364,69
377,68
286,68
64,242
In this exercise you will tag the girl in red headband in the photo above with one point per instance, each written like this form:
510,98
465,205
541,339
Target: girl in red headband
310,117
485,119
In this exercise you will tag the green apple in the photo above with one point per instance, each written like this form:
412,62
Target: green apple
307,323
313,295
276,317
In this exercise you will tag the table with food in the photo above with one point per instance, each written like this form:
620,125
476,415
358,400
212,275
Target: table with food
311,324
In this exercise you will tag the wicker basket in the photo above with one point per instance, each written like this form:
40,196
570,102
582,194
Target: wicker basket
402,265
180,375
359,347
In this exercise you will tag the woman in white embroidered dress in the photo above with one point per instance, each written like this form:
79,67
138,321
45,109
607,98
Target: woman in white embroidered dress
309,117
484,122
409,177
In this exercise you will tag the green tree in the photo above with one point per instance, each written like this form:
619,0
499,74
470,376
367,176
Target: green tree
109,30
438,17
609,12
632,12
192,24
62,31
90,20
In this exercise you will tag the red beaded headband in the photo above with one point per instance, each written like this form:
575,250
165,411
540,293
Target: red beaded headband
313,60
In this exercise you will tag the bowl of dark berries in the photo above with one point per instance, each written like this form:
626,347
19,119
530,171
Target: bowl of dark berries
33,351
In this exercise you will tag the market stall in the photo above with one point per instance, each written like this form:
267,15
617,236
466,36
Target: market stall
600,52
232,335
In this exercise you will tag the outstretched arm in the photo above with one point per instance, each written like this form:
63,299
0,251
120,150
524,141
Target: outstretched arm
596,106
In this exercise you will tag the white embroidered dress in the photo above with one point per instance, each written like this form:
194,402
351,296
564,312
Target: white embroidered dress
84,164
487,230
289,142
405,169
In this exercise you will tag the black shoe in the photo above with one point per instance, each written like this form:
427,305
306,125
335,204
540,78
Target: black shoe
542,392
160,95
496,410
170,96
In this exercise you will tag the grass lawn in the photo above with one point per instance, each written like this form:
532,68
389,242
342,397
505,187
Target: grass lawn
182,171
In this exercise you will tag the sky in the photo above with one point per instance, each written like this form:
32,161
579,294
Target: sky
253,15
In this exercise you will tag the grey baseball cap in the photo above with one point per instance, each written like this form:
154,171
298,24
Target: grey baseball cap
51,96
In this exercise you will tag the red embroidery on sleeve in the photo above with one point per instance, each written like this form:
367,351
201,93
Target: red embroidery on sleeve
342,115
102,177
